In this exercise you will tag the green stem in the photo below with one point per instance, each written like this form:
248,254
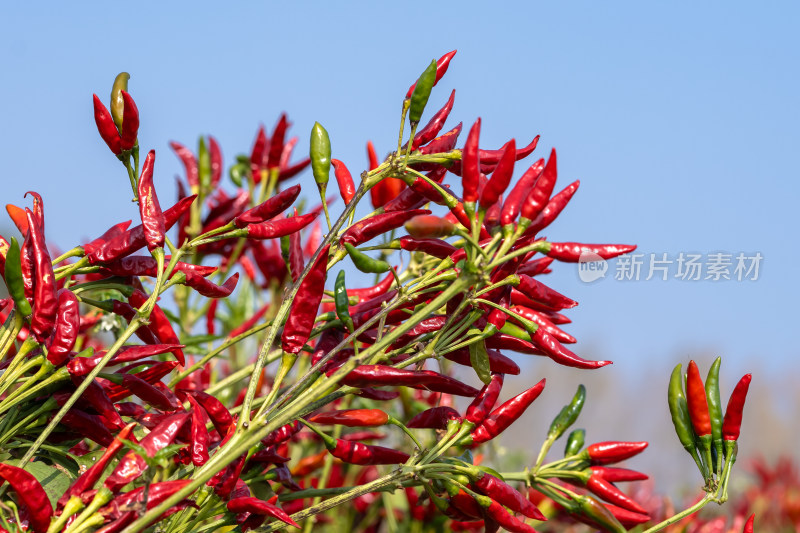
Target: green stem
680,516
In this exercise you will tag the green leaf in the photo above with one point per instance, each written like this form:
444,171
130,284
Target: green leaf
53,481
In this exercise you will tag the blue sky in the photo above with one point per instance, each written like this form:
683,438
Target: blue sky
680,119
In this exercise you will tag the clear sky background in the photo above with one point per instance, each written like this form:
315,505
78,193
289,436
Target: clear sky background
680,120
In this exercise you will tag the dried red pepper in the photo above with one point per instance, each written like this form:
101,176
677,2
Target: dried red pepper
45,303
304,307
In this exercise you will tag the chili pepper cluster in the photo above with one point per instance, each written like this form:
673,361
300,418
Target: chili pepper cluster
266,392
706,432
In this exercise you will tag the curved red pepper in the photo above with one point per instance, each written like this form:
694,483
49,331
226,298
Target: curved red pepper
505,494
539,195
732,422
189,163
364,230
553,208
505,415
274,229
501,177
441,67
153,223
605,490
45,304
209,289
30,495
434,418
484,402
345,180
256,506
268,209
130,122
304,307
106,127
570,252
434,125
67,326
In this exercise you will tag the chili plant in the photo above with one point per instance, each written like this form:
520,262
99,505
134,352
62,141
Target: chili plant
130,387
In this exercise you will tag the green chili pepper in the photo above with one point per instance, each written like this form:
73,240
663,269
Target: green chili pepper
238,173
679,411
320,154
515,331
342,302
575,442
117,105
419,98
715,405
365,263
479,359
569,413
203,165
14,282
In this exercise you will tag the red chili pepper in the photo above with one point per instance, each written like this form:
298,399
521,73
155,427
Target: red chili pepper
553,208
113,231
159,324
106,127
352,418
372,375
256,506
274,229
365,454
442,143
86,481
627,518
95,397
498,362
470,165
539,195
131,465
282,434
80,366
505,415
259,154
545,323
732,422
31,496
505,494
153,223
441,67
346,186
434,125
434,418
494,156
200,435
156,493
149,393
501,177
132,240
276,143
484,402
610,493
429,227
87,425
603,453
536,267
538,291
296,264
433,247
367,229
215,154
151,375
268,209
216,411
66,328
304,307
130,122
617,474
748,526
570,252
209,289
498,513
144,265
560,354
697,401
45,304
371,292
189,163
